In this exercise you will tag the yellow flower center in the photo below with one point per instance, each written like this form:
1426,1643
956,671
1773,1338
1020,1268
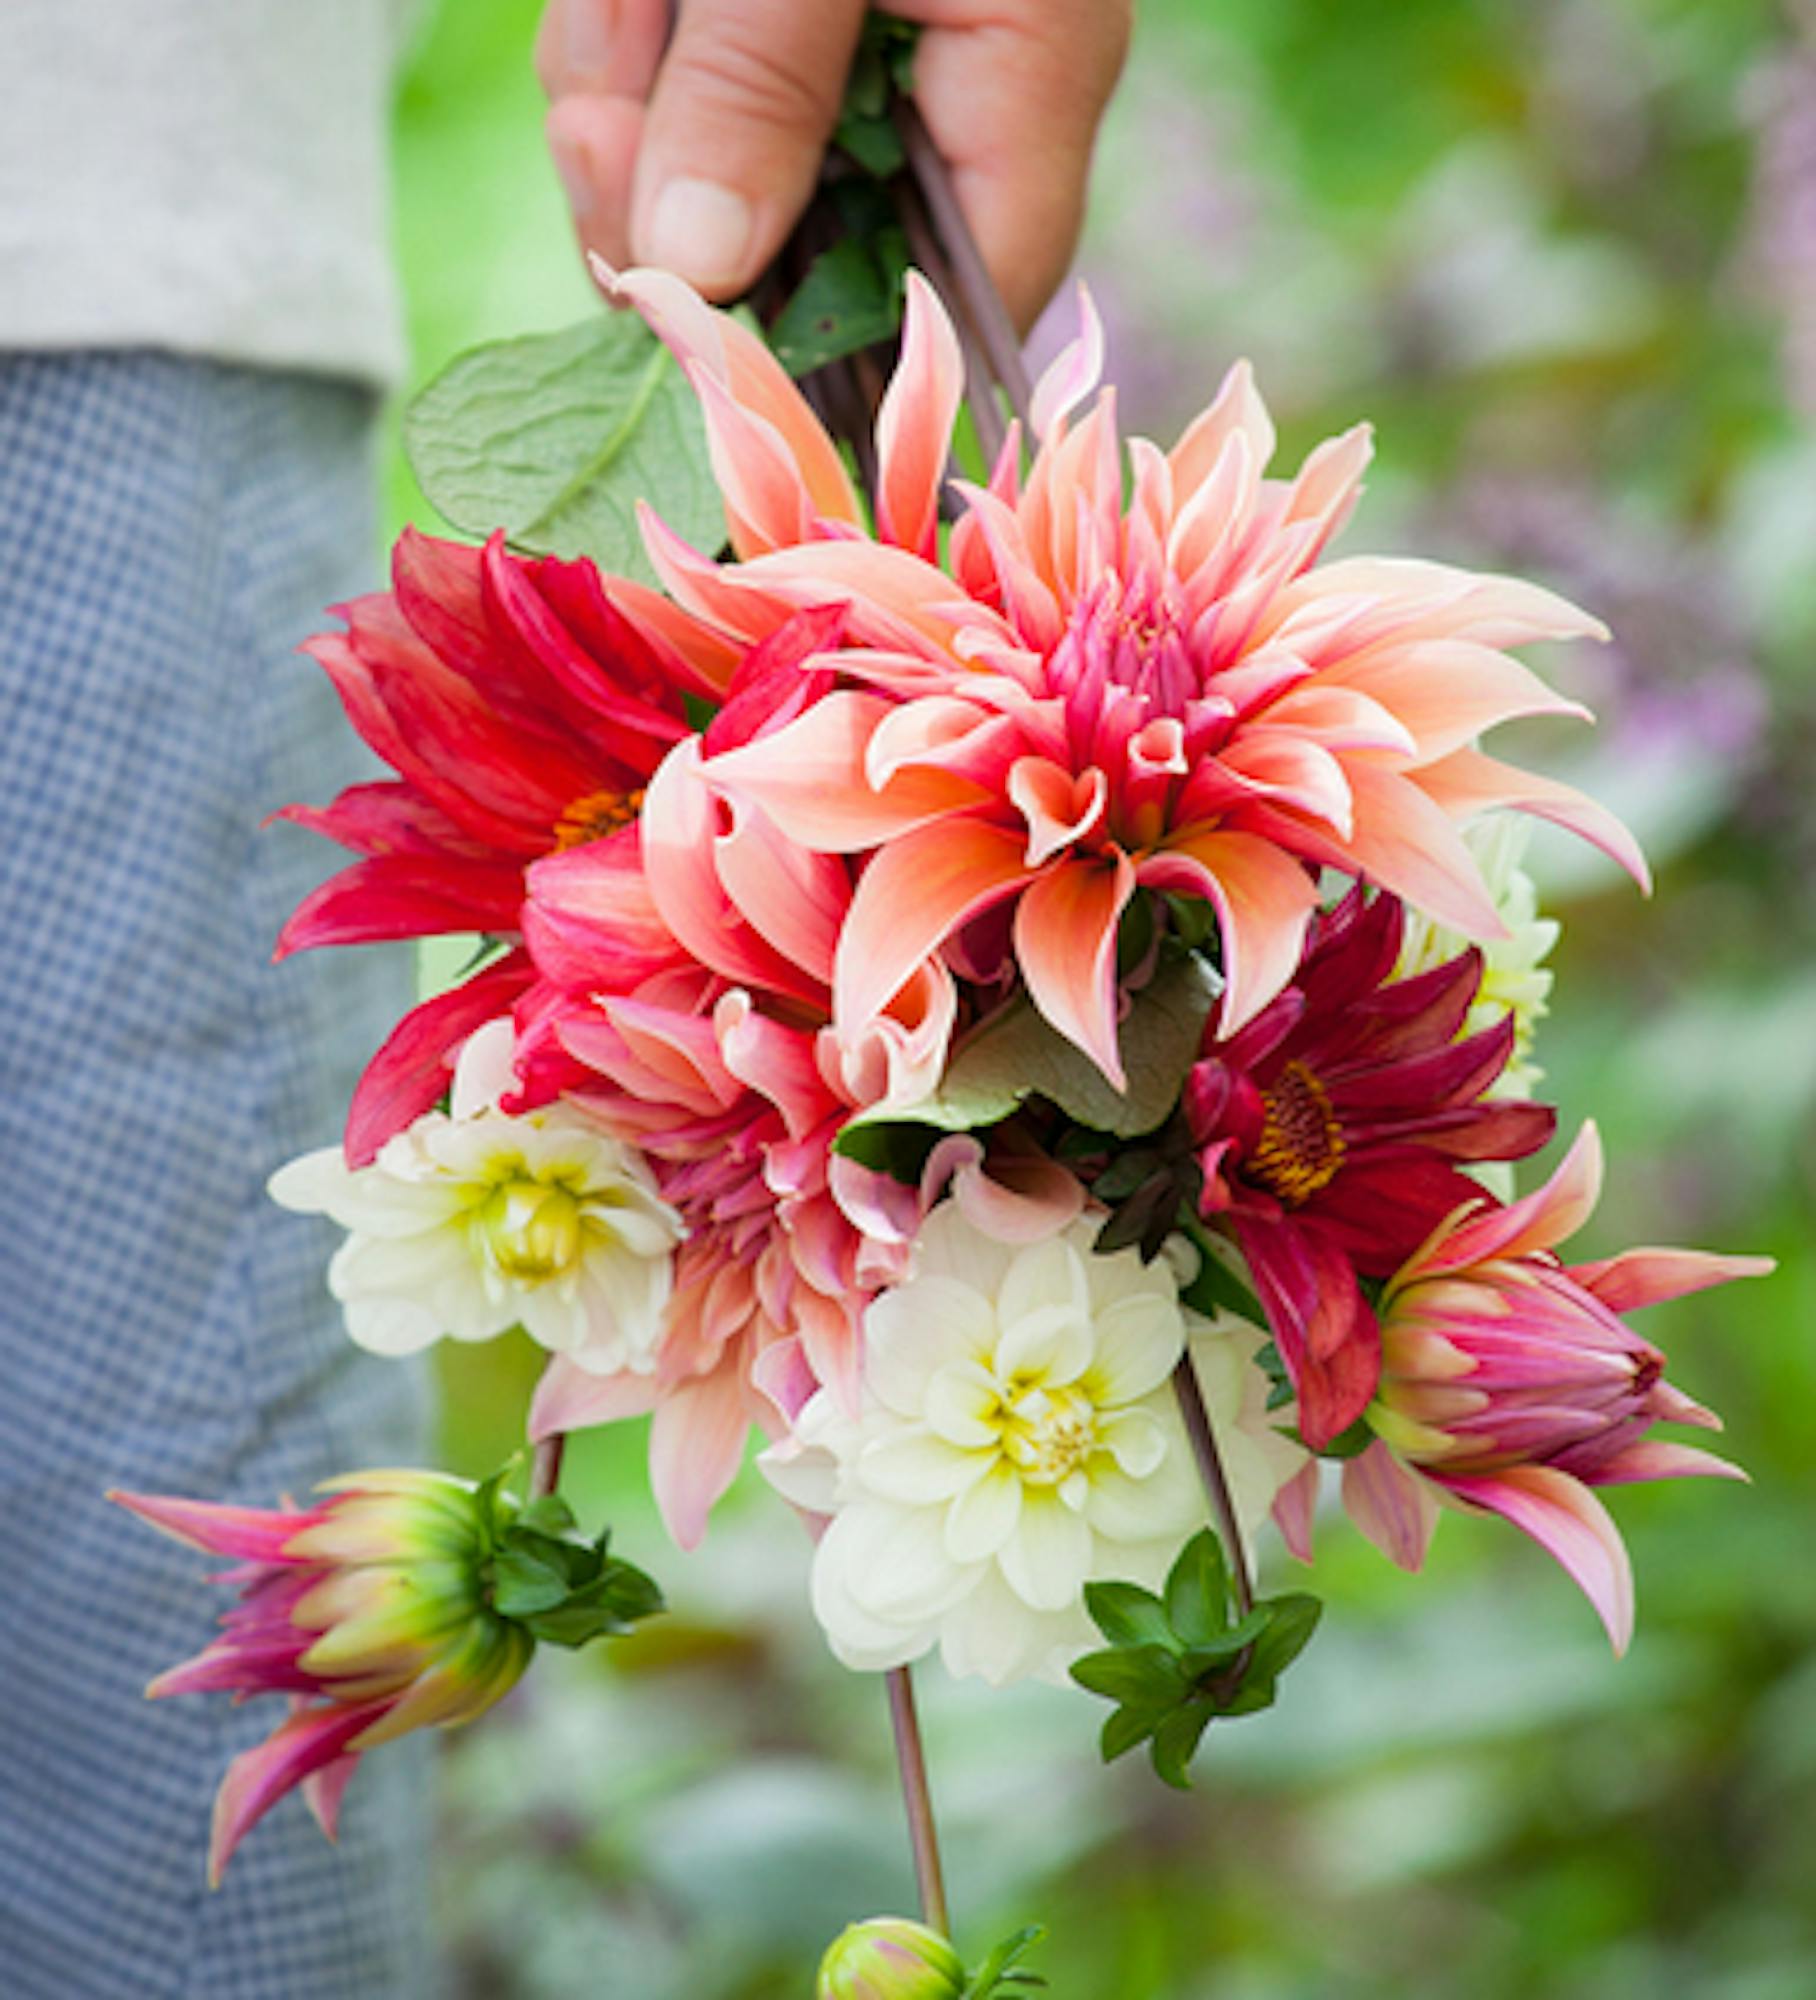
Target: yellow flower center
594,816
1047,1434
1301,1144
528,1230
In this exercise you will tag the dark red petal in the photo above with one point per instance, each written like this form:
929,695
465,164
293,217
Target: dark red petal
1323,1326
386,818
411,1071
405,896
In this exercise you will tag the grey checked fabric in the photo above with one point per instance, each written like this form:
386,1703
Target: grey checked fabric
169,530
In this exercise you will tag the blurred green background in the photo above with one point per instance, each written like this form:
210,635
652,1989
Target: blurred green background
1564,253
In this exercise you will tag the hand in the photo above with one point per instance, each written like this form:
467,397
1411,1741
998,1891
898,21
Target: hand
701,158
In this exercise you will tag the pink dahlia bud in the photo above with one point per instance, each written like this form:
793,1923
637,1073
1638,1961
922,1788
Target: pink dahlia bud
372,1610
1510,1382
890,1958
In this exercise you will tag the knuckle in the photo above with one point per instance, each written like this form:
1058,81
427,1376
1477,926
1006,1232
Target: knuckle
731,70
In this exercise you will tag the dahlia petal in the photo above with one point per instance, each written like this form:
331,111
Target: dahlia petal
1538,1221
914,421
1328,485
1264,901
690,651
766,505
913,895
1295,1509
1568,1522
392,896
810,777
1391,1504
1643,1277
1467,782
1236,410
589,919
1326,1333
257,1778
1048,1555
1655,1458
256,1533
778,679
413,1067
324,1790
1072,374
1408,844
1065,942
386,817
1448,692
696,1444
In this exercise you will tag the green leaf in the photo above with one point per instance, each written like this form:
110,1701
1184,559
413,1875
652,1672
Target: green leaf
1204,1660
1128,1615
849,299
555,437
1292,1621
523,1584
994,1971
1143,1676
1124,1728
1198,1591
1217,1288
551,1515
612,1602
1017,1054
1176,1739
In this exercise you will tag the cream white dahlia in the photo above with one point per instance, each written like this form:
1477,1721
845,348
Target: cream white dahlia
473,1221
1017,1439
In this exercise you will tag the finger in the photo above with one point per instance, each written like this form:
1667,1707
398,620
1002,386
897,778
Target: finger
744,104
597,60
1012,96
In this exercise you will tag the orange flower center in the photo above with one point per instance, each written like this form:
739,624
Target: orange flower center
596,815
1301,1144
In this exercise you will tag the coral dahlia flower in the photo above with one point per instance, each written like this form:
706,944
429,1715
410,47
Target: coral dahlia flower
523,715
1333,1132
1102,689
1511,1383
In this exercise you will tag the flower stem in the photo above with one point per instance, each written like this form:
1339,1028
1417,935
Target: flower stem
1197,1422
545,1466
922,1836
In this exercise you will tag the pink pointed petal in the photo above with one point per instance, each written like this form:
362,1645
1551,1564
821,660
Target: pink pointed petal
1236,410
257,1778
324,1790
1264,900
1295,1509
1466,782
914,894
1327,488
914,422
1391,1504
774,1059
1408,844
1643,1277
793,898
1448,692
567,1398
1065,943
691,651
1538,1221
1655,1458
589,919
1567,1521
257,1533
696,1445
810,778
1074,372
766,504
1059,808
414,1068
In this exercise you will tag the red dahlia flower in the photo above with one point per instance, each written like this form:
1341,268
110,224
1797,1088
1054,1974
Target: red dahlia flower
1331,1133
523,715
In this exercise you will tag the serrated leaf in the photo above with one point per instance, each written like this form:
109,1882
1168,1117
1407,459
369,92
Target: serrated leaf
1128,1615
848,300
1017,1054
1198,1592
1175,1740
555,437
1143,1676
1125,1727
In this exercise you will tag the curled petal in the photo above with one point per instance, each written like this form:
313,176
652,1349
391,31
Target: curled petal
1391,1504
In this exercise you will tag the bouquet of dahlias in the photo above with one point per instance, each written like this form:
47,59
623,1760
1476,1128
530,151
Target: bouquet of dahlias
1018,988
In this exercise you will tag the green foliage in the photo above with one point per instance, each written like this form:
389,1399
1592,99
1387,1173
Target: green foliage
1176,1661
555,438
545,1575
999,1972
850,298
1018,1054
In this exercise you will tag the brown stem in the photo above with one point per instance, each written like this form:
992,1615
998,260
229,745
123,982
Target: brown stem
545,1466
922,1836
1197,1422
975,287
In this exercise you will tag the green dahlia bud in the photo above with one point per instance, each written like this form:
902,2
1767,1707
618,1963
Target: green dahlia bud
890,1958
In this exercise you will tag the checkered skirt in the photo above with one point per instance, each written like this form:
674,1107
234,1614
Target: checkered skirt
169,530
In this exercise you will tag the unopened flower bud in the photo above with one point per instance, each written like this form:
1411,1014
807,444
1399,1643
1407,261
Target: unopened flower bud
890,1958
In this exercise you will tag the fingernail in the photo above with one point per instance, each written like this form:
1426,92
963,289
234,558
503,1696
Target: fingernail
574,170
701,231
586,38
